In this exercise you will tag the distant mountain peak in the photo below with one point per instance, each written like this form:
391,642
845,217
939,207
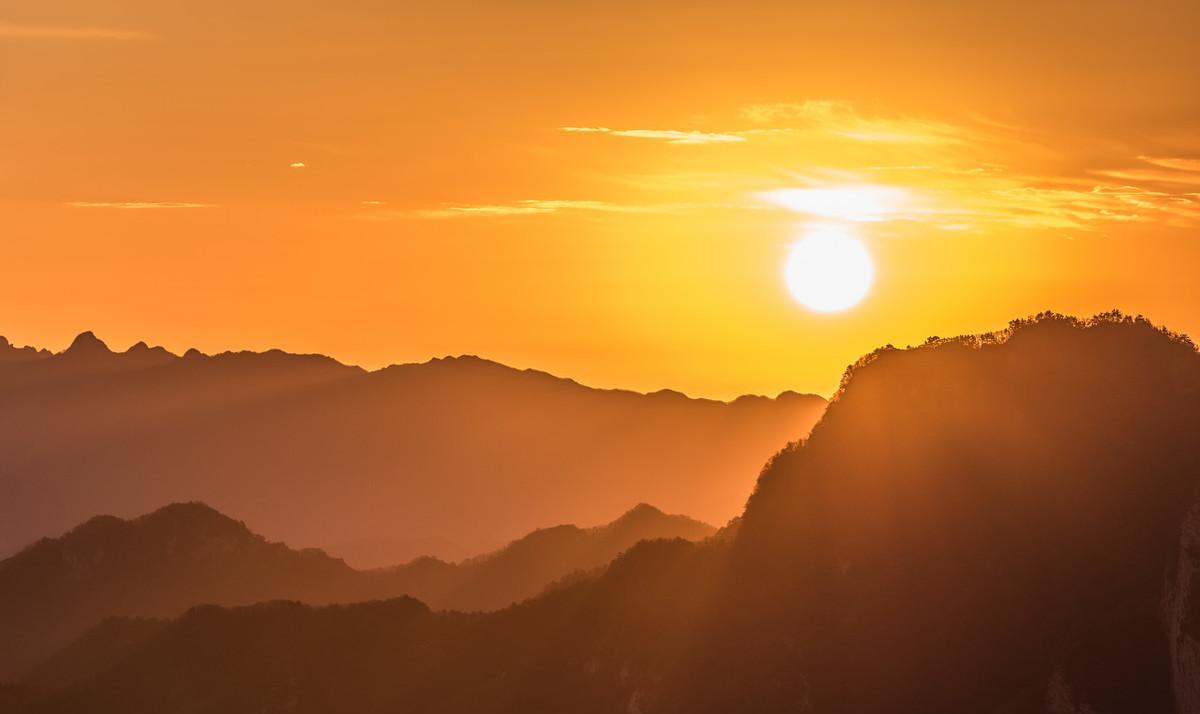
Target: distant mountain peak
10,353
141,346
461,361
642,510
188,515
646,516
186,509
86,343
147,355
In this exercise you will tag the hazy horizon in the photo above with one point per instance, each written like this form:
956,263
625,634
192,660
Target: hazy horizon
180,352
608,193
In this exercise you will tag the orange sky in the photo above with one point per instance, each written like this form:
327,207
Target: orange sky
588,188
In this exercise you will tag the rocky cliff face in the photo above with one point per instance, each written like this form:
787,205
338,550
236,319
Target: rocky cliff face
1181,615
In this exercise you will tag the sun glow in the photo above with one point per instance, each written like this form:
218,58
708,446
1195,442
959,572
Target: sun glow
829,270
848,203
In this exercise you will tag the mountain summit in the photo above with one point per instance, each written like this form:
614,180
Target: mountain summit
85,344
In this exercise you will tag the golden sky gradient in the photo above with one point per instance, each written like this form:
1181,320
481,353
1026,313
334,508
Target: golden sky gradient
607,191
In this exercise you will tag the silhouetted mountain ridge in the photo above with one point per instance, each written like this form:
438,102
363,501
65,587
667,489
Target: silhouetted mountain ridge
370,466
186,554
11,354
984,523
1000,524
86,345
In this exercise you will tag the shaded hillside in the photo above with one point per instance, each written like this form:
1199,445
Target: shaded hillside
155,566
112,640
1006,524
582,649
524,567
448,458
184,555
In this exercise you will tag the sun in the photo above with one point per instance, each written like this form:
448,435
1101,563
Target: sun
829,270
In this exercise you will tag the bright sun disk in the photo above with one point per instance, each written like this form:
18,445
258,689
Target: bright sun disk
829,270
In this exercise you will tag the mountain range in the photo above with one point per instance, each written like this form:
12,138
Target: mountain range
449,458
1004,523
188,554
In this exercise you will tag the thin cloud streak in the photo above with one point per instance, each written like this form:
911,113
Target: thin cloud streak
954,201
823,118
531,207
137,205
1173,163
858,203
843,120
52,32
1141,175
671,136
517,209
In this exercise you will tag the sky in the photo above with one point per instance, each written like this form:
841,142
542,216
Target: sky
606,191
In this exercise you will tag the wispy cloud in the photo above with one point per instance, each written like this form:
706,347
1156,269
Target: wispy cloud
956,201
532,207
137,204
833,160
845,120
671,136
1172,163
862,202
1086,208
1144,175
513,209
57,32
823,120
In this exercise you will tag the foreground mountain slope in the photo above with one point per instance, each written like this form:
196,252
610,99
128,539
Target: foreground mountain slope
449,458
982,524
188,554
1000,524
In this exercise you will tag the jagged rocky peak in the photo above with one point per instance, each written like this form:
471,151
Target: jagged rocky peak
145,354
86,343
11,354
